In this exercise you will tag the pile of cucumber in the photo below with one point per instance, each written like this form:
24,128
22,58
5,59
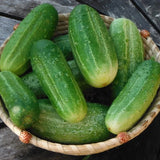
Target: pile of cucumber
44,83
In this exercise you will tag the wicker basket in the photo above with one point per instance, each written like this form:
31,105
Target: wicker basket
150,50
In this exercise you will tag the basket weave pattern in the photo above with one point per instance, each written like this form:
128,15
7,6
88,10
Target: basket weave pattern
150,50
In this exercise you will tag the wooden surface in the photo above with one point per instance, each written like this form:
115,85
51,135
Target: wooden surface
146,14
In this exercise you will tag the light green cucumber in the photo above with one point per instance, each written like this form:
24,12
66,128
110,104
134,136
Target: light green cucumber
57,81
38,24
32,81
52,127
92,46
135,98
129,48
20,102
63,43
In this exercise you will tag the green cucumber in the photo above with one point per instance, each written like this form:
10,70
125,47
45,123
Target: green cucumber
63,43
57,81
92,46
129,48
38,24
20,102
135,98
78,76
52,127
32,81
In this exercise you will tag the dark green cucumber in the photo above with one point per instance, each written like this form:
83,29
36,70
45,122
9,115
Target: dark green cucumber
32,81
57,81
135,97
78,76
38,24
63,43
92,46
129,49
20,102
52,127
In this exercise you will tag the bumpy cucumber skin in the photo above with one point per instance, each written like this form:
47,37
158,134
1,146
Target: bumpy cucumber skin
129,49
57,81
20,102
63,43
92,46
32,81
38,24
52,127
135,97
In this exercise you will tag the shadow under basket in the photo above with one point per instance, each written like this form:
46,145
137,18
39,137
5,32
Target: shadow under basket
86,149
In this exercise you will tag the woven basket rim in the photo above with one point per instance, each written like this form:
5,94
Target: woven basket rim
93,148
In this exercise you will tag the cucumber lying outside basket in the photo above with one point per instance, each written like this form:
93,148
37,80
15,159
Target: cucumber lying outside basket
86,149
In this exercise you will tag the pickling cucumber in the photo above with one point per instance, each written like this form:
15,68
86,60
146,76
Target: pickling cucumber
57,81
135,97
38,24
92,46
52,127
32,81
129,49
20,102
63,43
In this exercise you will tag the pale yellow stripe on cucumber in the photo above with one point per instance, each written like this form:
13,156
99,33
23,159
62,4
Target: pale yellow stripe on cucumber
131,48
52,90
7,84
126,39
25,42
78,59
96,39
49,78
19,42
79,93
113,67
21,87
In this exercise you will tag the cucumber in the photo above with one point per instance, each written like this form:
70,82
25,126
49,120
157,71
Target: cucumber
38,24
92,46
57,81
129,48
52,127
20,102
63,43
135,97
78,76
32,81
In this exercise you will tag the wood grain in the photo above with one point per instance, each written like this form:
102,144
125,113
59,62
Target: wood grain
151,10
21,8
12,149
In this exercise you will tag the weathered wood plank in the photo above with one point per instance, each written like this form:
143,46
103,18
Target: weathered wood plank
21,8
12,149
150,9
126,9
